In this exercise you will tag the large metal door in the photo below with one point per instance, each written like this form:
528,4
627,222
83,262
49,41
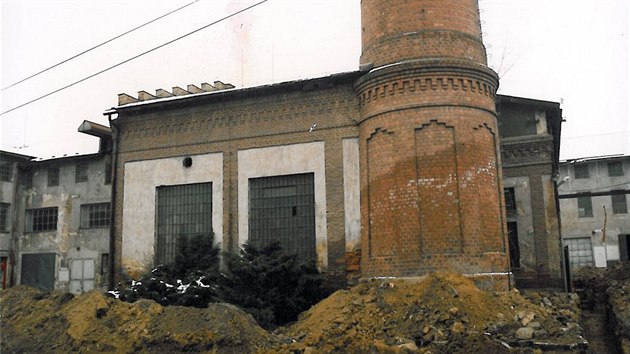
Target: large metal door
81,275
282,208
38,270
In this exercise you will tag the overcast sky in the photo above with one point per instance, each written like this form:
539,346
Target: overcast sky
569,51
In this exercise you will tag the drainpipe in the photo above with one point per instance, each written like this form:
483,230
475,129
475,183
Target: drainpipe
112,207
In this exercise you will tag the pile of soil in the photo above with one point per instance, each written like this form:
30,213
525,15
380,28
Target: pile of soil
36,321
445,312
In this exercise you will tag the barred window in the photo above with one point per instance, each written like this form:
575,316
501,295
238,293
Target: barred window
183,211
5,171
81,172
615,169
4,216
580,252
585,207
619,204
95,215
53,176
44,219
581,171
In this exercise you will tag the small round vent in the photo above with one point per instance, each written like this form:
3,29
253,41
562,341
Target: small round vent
187,162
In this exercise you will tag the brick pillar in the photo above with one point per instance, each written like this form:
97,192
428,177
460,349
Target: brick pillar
431,193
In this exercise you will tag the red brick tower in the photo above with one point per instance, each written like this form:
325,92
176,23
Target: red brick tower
430,175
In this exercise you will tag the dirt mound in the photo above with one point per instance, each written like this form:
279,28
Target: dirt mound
443,313
38,321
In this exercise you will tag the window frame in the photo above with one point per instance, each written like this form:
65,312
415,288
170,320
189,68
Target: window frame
52,182
89,210
612,167
46,226
509,194
584,214
6,171
622,200
81,172
4,217
584,171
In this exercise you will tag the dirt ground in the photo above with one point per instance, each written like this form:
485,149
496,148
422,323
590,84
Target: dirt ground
444,313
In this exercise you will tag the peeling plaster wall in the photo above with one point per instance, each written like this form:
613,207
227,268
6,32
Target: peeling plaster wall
285,160
141,180
69,241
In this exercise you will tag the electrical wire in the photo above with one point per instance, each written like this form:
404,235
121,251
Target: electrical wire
134,57
98,45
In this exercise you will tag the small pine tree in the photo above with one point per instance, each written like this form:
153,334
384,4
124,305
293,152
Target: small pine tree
272,285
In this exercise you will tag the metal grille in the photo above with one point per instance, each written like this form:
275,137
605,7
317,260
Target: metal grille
95,215
53,176
5,171
282,208
81,173
183,211
580,252
39,220
4,216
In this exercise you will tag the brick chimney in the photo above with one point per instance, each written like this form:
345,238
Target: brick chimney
431,190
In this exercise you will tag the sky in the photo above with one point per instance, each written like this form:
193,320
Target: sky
570,51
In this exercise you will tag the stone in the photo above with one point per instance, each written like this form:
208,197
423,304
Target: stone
534,325
524,333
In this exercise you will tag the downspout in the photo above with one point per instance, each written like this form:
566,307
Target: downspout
112,207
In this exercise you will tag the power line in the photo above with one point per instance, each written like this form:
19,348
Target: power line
98,45
134,57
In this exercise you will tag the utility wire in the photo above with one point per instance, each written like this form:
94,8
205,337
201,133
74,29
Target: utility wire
135,57
98,45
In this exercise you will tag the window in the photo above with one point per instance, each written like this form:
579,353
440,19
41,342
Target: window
5,171
39,220
619,204
581,171
4,217
580,252
53,176
585,207
183,211
282,208
108,172
81,173
95,215
615,169
510,201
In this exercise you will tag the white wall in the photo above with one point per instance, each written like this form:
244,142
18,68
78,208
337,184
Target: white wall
285,160
141,179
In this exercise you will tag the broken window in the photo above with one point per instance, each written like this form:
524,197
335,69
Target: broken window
4,217
615,169
619,204
39,220
580,252
581,171
95,215
282,208
585,207
515,253
183,211
5,171
81,174
510,200
53,176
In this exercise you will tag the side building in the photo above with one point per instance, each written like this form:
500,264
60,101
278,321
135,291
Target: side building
58,231
530,148
594,209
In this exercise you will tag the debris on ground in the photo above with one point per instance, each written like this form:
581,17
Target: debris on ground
443,313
